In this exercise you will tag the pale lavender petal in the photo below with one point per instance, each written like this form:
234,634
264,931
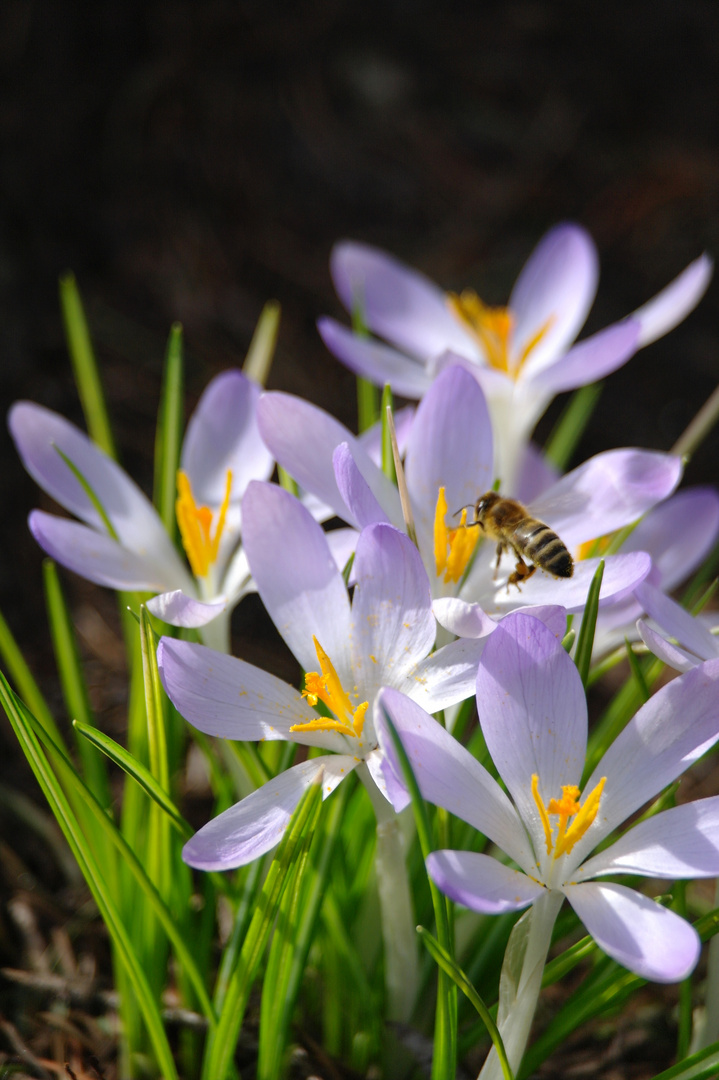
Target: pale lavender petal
296,575
40,433
303,439
447,775
669,654
672,730
481,883
450,446
397,302
342,544
354,489
553,616
678,623
178,609
255,825
532,710
678,533
464,619
635,931
227,697
379,363
590,360
555,289
371,439
392,625
222,434
375,767
622,574
94,556
237,581
610,490
679,843
535,475
665,310
447,676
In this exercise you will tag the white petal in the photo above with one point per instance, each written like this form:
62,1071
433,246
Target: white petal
178,609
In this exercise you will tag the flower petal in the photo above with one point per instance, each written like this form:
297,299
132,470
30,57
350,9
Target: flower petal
379,363
222,434
622,574
392,625
481,883
678,623
256,824
675,727
96,557
446,677
296,576
462,618
610,490
668,653
224,696
450,446
178,609
447,775
397,302
40,433
532,710
638,933
678,533
555,289
679,843
303,439
354,489
590,360
665,310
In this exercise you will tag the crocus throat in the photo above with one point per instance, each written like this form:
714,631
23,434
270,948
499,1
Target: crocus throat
453,548
195,523
325,686
565,808
492,328
592,549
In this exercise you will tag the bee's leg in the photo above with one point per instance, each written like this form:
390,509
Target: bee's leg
500,549
522,572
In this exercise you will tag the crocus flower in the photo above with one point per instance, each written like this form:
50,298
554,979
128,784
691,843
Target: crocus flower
676,637
449,464
522,354
533,714
123,543
383,636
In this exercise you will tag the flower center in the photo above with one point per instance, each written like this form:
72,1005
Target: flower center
565,808
453,548
195,523
325,686
492,328
591,549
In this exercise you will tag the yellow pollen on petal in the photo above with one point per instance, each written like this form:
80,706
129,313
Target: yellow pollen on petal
453,548
327,688
492,328
565,808
195,523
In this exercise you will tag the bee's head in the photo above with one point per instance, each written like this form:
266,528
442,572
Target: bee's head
484,504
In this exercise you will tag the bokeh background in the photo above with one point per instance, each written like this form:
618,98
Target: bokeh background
190,161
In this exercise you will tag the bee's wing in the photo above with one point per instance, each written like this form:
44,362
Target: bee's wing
563,511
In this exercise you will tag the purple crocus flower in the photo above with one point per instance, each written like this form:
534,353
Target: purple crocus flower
533,714
129,547
449,447
522,354
383,636
683,640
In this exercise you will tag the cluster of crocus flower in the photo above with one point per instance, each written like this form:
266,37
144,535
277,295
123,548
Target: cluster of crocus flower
408,611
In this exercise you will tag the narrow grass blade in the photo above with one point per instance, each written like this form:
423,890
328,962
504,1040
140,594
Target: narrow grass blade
264,341
570,426
704,1065
221,1045
84,365
458,977
387,409
18,717
168,436
585,637
24,680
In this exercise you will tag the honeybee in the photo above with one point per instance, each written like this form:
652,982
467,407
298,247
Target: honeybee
514,528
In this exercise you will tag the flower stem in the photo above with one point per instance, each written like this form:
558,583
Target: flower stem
398,923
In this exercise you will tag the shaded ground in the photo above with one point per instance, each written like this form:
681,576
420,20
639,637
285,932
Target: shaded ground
189,162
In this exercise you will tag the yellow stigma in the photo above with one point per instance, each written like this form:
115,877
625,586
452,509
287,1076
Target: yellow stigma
453,548
492,328
195,523
327,688
565,808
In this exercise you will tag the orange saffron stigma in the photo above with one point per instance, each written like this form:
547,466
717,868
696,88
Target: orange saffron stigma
327,688
195,524
566,808
492,328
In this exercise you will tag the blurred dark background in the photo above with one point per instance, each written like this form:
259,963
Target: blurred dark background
191,161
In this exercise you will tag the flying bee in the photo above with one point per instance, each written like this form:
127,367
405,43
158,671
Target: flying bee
514,529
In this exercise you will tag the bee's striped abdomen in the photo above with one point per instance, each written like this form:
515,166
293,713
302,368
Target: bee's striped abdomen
540,544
